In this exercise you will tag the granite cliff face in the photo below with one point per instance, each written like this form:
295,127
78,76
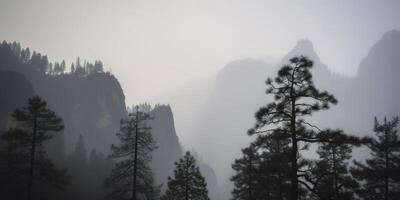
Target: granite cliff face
240,90
91,105
15,89
169,150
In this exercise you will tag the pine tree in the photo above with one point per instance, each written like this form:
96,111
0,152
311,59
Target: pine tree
265,168
275,164
131,177
296,97
380,174
62,67
330,177
246,178
23,153
187,183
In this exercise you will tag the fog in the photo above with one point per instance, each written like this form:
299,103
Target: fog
167,43
186,53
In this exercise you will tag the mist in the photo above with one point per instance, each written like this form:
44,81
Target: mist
199,69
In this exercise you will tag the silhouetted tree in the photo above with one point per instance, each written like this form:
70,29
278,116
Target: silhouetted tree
72,68
131,177
25,55
187,183
39,62
274,172
329,178
23,155
62,67
245,180
98,67
79,69
380,174
295,98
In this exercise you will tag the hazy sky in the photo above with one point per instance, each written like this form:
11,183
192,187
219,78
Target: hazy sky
163,44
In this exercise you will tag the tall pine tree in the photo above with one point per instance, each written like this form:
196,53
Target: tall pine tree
296,97
23,156
329,178
380,173
246,181
187,183
131,178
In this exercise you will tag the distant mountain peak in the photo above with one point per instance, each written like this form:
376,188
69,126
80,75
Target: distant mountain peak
383,57
391,34
303,47
305,44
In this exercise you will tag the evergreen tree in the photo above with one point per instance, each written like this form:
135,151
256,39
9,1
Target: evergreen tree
265,168
329,176
23,155
98,67
296,97
62,67
187,183
245,181
72,68
380,174
131,177
274,172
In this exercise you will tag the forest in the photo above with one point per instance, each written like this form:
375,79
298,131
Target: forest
276,165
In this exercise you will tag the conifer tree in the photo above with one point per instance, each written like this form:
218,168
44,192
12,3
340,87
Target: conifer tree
187,183
131,177
274,172
270,169
23,156
245,180
329,177
380,173
296,97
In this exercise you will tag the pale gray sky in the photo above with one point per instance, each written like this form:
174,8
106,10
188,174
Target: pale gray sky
155,46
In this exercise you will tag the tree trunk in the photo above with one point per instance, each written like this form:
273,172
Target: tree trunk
135,158
335,172
250,173
187,180
32,161
295,192
386,164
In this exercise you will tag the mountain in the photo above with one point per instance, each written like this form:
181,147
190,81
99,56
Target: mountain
169,150
15,89
228,113
240,90
90,104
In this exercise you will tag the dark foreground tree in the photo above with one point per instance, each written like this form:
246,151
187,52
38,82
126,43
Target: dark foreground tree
246,178
263,172
329,178
296,97
380,174
274,172
131,178
187,183
23,157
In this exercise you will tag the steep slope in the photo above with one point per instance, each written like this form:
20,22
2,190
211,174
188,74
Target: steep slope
240,91
169,150
90,105
15,89
228,114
